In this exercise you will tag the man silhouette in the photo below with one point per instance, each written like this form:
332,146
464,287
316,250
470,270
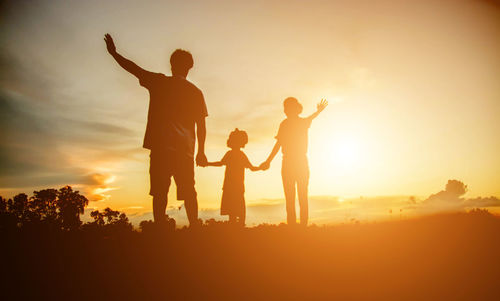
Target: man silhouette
175,107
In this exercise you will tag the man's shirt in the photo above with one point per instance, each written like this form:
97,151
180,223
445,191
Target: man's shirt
175,105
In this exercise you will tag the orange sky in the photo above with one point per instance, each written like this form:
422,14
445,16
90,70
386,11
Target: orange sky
413,91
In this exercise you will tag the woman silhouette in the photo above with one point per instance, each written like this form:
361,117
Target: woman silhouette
292,139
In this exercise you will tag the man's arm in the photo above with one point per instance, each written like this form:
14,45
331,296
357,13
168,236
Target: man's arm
201,133
319,108
123,62
266,164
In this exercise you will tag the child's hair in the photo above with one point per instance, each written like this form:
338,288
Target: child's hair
237,139
292,106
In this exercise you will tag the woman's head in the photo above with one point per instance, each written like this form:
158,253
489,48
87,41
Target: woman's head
292,107
237,139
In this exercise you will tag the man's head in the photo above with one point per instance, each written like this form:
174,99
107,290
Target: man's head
292,107
180,62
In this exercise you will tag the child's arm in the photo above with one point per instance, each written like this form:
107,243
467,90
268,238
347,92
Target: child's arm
266,164
249,165
217,163
254,168
319,108
222,162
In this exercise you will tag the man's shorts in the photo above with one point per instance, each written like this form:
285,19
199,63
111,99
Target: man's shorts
167,164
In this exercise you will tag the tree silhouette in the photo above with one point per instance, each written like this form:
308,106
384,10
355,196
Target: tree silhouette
18,207
46,209
98,218
146,226
70,204
43,205
52,209
110,220
7,219
150,227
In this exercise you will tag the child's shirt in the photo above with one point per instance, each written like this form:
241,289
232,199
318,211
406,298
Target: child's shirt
236,161
292,135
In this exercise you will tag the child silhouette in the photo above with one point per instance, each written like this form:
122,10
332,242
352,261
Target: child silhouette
235,160
292,139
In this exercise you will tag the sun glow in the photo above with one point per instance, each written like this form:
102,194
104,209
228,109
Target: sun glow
347,153
341,153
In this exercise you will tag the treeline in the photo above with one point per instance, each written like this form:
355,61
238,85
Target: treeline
57,210
50,210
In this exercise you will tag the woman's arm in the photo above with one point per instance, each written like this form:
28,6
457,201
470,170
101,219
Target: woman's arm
319,108
266,164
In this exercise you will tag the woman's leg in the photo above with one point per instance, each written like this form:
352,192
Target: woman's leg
289,189
302,189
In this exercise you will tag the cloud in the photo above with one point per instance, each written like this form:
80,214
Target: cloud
28,147
32,151
481,202
41,137
98,185
451,199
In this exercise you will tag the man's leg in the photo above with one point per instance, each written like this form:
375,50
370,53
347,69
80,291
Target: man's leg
159,207
159,176
184,178
191,205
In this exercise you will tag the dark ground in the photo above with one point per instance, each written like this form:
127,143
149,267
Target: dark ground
446,257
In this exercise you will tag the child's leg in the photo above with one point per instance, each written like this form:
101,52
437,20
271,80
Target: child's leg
289,189
242,217
232,218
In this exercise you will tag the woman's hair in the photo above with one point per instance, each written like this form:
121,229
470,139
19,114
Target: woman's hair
292,106
237,139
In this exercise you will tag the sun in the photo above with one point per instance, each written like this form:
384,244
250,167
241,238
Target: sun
347,153
342,153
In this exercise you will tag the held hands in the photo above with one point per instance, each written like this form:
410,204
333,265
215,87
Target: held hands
110,44
201,160
321,105
265,165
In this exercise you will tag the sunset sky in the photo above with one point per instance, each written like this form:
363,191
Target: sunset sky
413,86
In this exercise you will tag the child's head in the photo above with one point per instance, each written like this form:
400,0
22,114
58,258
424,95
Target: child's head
237,139
292,107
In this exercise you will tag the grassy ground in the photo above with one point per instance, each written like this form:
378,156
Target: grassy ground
445,257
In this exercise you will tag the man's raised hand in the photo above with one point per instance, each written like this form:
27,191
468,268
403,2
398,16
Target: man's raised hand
321,105
110,44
